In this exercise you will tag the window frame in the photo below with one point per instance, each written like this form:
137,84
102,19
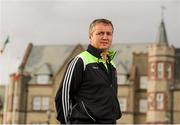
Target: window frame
42,106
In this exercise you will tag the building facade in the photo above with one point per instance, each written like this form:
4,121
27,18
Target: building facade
148,82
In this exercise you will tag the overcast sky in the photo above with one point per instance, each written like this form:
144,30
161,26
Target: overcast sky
67,22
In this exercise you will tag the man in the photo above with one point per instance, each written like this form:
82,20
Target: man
88,92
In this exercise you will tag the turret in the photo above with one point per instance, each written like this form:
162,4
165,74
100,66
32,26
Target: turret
160,78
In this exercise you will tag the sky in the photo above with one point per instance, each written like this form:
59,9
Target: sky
46,22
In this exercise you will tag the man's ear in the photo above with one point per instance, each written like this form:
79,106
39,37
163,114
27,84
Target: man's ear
90,35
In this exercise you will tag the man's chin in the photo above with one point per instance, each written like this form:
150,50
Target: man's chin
104,48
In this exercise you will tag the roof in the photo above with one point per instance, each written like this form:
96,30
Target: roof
44,69
161,36
124,56
47,58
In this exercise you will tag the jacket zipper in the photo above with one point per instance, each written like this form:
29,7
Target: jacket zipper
87,112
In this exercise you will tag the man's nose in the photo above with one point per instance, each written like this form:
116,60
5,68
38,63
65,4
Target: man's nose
105,36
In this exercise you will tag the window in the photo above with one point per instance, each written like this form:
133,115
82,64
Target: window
42,79
45,103
143,82
160,101
143,105
152,70
123,103
122,79
40,103
36,103
160,70
168,71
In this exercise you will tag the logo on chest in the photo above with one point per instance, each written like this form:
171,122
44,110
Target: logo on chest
95,67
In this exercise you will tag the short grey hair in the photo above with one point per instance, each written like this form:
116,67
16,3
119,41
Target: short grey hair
96,21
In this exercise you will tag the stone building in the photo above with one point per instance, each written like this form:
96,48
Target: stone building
148,82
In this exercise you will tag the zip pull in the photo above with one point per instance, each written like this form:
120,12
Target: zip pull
87,111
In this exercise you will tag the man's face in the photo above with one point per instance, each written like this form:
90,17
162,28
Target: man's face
101,36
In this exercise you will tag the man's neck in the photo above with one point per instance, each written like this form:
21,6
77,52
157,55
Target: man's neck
104,55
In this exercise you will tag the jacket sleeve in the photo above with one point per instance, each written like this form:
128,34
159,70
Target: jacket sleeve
69,86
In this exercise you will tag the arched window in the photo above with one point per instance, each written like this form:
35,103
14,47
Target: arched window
160,69
168,70
152,70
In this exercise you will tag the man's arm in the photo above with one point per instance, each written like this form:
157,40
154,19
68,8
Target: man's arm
69,87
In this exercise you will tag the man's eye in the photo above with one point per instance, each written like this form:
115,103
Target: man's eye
100,33
109,34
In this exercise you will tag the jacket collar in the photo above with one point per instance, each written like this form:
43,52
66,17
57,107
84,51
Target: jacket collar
97,52
94,51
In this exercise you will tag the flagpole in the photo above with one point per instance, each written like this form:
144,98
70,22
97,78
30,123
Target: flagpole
6,86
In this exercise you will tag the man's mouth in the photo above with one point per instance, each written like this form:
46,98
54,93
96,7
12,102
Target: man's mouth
104,43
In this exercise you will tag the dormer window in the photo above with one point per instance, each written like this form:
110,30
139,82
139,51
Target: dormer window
43,74
43,79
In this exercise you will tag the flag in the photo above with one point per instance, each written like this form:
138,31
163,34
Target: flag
4,45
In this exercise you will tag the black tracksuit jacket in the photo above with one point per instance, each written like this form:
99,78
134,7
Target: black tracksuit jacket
88,91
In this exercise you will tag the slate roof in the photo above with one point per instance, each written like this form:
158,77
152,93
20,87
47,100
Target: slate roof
161,36
47,58
124,56
44,69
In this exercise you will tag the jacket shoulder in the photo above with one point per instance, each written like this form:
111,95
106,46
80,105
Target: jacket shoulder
87,57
